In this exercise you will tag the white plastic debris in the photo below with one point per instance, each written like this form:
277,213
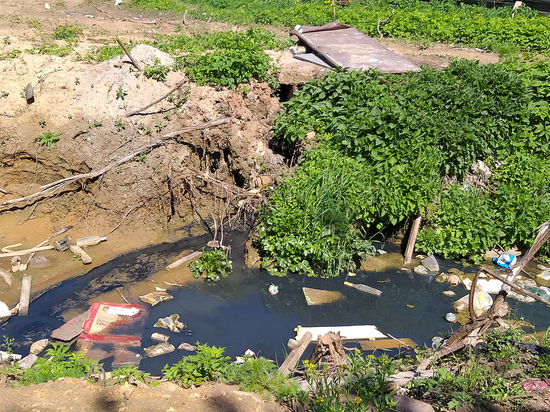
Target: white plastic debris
118,2
273,289
47,6
298,28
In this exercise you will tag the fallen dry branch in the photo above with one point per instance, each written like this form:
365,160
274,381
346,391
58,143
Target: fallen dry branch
383,21
135,63
26,251
469,333
59,184
172,90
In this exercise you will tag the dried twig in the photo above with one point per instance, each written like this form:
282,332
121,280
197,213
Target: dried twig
121,295
383,21
172,90
135,63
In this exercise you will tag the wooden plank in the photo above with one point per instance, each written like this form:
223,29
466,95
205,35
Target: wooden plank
72,328
412,240
26,251
292,359
386,344
8,277
25,298
86,259
346,332
183,260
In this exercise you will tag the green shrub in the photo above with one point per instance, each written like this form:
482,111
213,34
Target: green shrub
157,71
228,68
207,365
49,138
213,264
68,33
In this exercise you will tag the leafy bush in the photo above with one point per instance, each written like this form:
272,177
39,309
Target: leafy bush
49,138
262,376
157,71
62,364
213,264
228,68
52,50
207,365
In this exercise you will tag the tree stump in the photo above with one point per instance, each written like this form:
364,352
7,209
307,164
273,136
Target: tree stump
328,346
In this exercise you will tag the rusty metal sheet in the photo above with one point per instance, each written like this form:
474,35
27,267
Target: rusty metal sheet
346,46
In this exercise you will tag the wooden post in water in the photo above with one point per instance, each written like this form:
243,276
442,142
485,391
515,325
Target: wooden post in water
25,298
412,240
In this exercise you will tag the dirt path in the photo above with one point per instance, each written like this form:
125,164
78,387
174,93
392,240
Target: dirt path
74,395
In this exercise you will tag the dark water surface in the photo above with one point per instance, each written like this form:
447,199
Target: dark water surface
238,313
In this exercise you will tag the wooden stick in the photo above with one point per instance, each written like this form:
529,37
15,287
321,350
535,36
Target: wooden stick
51,187
25,298
8,277
184,259
383,21
3,191
128,54
172,90
412,240
26,251
294,356
516,287
121,295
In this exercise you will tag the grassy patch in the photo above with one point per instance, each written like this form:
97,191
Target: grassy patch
52,50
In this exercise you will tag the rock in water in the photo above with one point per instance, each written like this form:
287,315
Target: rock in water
28,361
159,337
160,349
450,317
39,346
29,93
421,270
186,346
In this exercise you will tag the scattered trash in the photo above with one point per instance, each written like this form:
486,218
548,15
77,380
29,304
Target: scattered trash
159,349
381,252
8,277
72,328
77,250
505,260
160,289
118,2
292,343
25,297
159,337
154,298
39,346
449,293
352,274
170,322
410,306
273,289
5,313
47,6
450,317
431,264
28,361
364,288
186,346
15,262
113,330
320,297
347,332
297,49
90,241
437,342
8,249
4,356
298,28
26,251
421,270
534,384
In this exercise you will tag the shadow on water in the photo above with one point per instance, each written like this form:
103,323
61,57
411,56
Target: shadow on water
238,313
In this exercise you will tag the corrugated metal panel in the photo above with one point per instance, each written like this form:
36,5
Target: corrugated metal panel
346,46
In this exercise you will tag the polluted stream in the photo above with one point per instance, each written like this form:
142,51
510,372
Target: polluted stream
239,313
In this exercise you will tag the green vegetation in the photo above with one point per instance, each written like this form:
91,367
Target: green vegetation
8,344
254,375
52,50
60,363
360,382
127,373
96,124
157,71
120,125
49,138
448,21
68,33
121,93
213,264
10,55
392,147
